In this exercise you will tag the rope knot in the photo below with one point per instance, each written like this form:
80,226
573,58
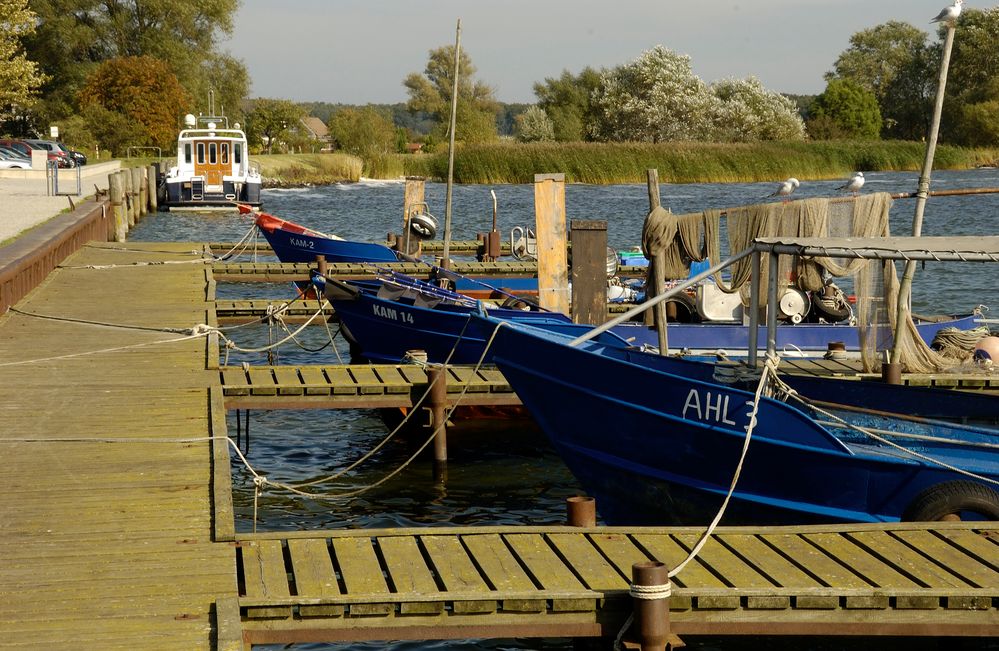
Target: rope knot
260,481
201,329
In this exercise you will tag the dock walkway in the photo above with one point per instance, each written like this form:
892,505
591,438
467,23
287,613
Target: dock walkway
117,530
105,521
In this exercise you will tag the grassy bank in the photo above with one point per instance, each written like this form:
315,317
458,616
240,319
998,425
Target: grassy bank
687,162
301,169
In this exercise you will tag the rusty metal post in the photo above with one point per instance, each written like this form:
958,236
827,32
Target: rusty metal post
891,373
651,607
581,511
321,264
437,377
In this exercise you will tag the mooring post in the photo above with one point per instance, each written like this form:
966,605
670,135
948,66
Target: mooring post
655,278
437,377
153,177
126,177
321,264
413,201
589,271
549,213
143,183
650,597
581,511
116,193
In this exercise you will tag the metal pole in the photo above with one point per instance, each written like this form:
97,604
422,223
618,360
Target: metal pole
651,614
905,286
437,377
754,309
772,305
446,256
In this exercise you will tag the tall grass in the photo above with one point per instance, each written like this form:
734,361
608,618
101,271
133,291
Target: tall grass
602,163
295,169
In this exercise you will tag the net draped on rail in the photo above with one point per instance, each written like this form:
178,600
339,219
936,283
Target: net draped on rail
678,240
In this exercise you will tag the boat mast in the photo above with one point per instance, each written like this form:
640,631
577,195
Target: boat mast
905,286
446,259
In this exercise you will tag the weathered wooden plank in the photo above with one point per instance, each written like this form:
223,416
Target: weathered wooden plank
314,381
548,571
342,382
595,572
952,559
496,380
289,384
368,383
265,576
503,571
362,574
455,570
392,379
235,382
463,379
314,576
408,573
262,381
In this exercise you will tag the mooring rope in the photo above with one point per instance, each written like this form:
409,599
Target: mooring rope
663,591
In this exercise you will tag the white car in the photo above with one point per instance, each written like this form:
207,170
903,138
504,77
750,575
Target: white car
14,165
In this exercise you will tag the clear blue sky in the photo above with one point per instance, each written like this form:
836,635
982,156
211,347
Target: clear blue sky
359,51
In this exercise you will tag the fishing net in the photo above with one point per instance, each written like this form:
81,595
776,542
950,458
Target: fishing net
677,240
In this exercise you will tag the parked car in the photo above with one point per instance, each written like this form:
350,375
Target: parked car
14,163
78,157
53,147
26,147
9,153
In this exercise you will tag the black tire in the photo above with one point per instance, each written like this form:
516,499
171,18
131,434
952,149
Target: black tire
953,498
684,308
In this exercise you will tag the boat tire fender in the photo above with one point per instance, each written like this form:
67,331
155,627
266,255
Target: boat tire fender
423,225
952,498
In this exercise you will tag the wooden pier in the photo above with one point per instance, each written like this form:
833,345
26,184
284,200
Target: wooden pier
117,527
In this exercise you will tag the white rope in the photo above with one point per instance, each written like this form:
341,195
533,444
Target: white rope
651,592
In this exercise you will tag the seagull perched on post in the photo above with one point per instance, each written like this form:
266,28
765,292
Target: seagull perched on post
786,188
949,14
854,184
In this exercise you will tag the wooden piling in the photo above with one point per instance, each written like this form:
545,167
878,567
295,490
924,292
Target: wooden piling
153,176
126,178
117,194
549,212
651,610
589,271
656,279
437,377
413,202
140,190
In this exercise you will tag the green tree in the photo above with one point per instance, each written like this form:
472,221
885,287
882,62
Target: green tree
363,132
749,112
19,76
970,117
566,101
847,107
431,92
74,36
533,125
269,120
142,90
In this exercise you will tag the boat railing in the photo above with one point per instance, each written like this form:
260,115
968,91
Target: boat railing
938,249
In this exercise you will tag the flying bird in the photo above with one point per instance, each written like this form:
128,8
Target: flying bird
786,188
854,184
949,14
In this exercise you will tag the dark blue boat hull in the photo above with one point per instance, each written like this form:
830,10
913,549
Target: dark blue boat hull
656,448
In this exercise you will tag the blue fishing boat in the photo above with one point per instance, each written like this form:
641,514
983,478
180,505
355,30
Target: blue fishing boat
655,447
292,242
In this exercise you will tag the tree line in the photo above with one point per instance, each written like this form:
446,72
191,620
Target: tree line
119,73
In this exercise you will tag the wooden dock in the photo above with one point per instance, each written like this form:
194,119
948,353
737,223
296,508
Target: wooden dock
565,582
117,528
105,523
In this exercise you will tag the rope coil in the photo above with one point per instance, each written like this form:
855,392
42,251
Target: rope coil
651,592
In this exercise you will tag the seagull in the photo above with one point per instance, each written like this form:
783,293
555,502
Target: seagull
949,14
854,184
786,188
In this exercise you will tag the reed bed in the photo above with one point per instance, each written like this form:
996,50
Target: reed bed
601,163
300,169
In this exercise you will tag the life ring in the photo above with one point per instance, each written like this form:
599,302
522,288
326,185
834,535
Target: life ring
948,500
424,225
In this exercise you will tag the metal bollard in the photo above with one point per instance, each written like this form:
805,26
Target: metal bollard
581,511
437,377
650,595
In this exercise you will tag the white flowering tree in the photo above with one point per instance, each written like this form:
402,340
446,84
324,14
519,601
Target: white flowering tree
748,112
534,125
655,98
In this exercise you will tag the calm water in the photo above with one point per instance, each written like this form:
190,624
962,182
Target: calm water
510,476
